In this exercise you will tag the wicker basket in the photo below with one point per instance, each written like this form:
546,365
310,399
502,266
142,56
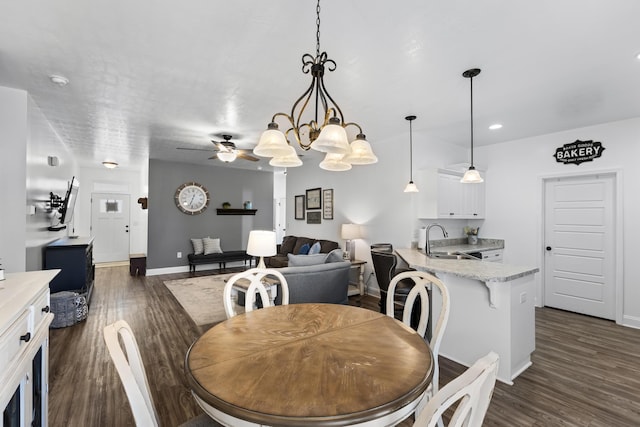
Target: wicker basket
69,308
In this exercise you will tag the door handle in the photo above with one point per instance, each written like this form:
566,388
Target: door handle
548,248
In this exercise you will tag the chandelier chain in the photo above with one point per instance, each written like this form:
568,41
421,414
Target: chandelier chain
318,29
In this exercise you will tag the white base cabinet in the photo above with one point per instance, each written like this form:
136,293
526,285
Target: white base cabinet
24,348
442,195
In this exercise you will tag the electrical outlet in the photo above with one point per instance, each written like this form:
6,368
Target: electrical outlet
523,298
179,255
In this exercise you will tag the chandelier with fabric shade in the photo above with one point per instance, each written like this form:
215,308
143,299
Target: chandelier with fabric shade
324,129
471,176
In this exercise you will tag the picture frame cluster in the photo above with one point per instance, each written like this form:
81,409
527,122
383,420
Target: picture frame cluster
314,206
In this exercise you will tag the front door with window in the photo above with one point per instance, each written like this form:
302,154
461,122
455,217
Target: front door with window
110,226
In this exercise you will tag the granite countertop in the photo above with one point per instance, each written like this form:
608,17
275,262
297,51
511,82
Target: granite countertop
469,269
461,245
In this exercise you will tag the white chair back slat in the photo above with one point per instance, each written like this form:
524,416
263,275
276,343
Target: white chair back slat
256,286
472,391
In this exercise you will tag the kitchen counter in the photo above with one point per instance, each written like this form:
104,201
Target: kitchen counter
470,269
492,309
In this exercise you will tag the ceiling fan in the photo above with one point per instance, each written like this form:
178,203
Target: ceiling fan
226,151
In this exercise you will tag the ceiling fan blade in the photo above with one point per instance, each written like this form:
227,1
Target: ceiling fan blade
242,154
215,156
193,149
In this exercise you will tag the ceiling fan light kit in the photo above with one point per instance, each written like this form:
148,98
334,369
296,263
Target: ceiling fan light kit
472,176
324,132
227,156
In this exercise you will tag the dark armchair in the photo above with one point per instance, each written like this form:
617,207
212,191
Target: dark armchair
385,266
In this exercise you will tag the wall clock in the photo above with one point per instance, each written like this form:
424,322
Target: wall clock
192,198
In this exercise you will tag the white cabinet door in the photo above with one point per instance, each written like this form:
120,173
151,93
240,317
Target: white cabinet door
442,195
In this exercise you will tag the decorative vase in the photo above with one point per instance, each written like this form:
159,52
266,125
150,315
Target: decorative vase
247,205
226,205
472,239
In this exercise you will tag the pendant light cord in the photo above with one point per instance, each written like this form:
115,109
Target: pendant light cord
410,150
471,79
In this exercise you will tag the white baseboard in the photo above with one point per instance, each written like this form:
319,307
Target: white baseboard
631,321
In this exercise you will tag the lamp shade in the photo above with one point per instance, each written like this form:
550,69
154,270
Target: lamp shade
332,138
361,152
291,160
472,176
411,188
261,243
350,231
272,143
335,163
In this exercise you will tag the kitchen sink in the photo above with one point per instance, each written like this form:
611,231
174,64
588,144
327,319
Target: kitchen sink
452,255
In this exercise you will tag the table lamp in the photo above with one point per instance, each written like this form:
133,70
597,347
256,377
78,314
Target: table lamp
350,232
261,243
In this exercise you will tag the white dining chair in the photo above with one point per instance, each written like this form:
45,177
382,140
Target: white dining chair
255,276
423,281
134,378
472,391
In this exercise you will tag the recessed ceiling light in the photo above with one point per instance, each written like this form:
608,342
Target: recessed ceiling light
59,80
495,126
110,165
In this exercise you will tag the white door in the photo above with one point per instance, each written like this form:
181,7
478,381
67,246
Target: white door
110,226
280,215
579,245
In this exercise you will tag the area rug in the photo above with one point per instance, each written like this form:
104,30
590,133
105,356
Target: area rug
201,297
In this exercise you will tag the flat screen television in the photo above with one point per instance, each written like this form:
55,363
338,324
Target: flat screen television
69,203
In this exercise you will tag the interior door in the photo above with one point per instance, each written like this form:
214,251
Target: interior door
110,226
580,244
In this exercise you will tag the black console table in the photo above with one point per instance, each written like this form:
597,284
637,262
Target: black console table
75,258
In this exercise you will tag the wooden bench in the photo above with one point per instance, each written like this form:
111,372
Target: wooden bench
220,258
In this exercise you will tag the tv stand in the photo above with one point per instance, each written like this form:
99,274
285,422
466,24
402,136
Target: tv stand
74,256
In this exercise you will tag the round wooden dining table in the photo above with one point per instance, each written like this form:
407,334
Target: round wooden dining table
309,364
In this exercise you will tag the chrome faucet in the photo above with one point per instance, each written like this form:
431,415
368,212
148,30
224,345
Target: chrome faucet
444,232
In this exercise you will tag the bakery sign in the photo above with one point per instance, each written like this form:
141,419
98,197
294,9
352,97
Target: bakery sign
578,152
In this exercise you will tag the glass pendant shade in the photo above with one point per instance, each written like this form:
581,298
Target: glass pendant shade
227,156
472,176
411,188
335,163
361,152
291,160
332,138
272,143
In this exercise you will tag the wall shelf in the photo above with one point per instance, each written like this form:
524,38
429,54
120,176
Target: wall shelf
236,211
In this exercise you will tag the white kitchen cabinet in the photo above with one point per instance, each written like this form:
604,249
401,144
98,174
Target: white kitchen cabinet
442,195
25,317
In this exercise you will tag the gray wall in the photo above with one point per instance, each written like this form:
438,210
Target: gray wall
170,229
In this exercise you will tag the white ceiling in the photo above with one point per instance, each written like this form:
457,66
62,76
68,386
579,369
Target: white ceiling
148,76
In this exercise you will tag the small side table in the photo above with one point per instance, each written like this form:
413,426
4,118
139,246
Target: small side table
357,288
138,264
242,285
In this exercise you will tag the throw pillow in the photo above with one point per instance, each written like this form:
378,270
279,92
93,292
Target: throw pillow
304,250
211,246
198,246
334,256
306,260
315,249
288,243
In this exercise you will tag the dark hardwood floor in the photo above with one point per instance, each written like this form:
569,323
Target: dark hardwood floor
586,371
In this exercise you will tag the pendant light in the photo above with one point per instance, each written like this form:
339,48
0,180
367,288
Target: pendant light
472,176
411,187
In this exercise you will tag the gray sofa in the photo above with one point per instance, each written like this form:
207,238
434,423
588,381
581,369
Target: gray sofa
292,245
326,283
322,278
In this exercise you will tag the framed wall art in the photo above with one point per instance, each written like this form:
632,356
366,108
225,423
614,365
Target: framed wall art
327,203
314,217
313,199
299,207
